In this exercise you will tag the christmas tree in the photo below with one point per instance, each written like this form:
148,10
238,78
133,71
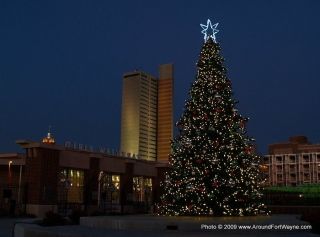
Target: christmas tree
213,168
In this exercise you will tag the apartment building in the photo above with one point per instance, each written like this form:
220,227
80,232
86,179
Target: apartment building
292,163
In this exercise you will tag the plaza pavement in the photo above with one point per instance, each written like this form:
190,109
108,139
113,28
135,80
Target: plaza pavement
32,230
6,225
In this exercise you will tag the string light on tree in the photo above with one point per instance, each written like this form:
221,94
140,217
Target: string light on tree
214,170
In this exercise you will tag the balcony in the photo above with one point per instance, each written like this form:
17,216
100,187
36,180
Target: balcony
293,170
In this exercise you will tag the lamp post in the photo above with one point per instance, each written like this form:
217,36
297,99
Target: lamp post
19,187
101,174
9,173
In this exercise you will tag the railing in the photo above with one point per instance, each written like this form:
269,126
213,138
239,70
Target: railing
12,199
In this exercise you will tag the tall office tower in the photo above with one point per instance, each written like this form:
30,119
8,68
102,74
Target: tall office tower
165,112
146,118
139,115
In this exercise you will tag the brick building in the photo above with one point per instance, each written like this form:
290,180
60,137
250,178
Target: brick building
60,178
292,163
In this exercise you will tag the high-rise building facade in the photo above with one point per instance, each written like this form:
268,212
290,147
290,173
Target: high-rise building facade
146,117
165,112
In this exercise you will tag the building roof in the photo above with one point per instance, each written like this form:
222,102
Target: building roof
296,144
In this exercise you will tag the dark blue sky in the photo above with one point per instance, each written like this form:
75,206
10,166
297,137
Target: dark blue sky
61,63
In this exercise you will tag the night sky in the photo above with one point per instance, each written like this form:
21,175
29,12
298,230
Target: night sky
61,63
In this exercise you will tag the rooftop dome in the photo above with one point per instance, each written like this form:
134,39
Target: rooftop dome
49,139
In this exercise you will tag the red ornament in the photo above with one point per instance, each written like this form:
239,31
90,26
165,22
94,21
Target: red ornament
198,161
249,150
215,184
190,206
201,189
216,143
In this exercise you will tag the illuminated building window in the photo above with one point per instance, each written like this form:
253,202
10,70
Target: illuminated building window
110,188
142,189
137,189
70,186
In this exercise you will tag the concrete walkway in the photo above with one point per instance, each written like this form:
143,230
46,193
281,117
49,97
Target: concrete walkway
160,223
194,230
6,225
82,231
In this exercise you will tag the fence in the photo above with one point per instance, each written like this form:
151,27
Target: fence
12,199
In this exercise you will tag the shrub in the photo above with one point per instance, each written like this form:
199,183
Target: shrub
53,219
75,216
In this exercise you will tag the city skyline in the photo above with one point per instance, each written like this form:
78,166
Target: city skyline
61,64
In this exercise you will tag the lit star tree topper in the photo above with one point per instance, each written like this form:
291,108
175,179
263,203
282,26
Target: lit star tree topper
206,31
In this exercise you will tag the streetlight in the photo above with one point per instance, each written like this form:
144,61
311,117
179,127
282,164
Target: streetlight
101,174
9,172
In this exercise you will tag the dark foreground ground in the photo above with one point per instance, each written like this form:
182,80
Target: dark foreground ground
6,225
